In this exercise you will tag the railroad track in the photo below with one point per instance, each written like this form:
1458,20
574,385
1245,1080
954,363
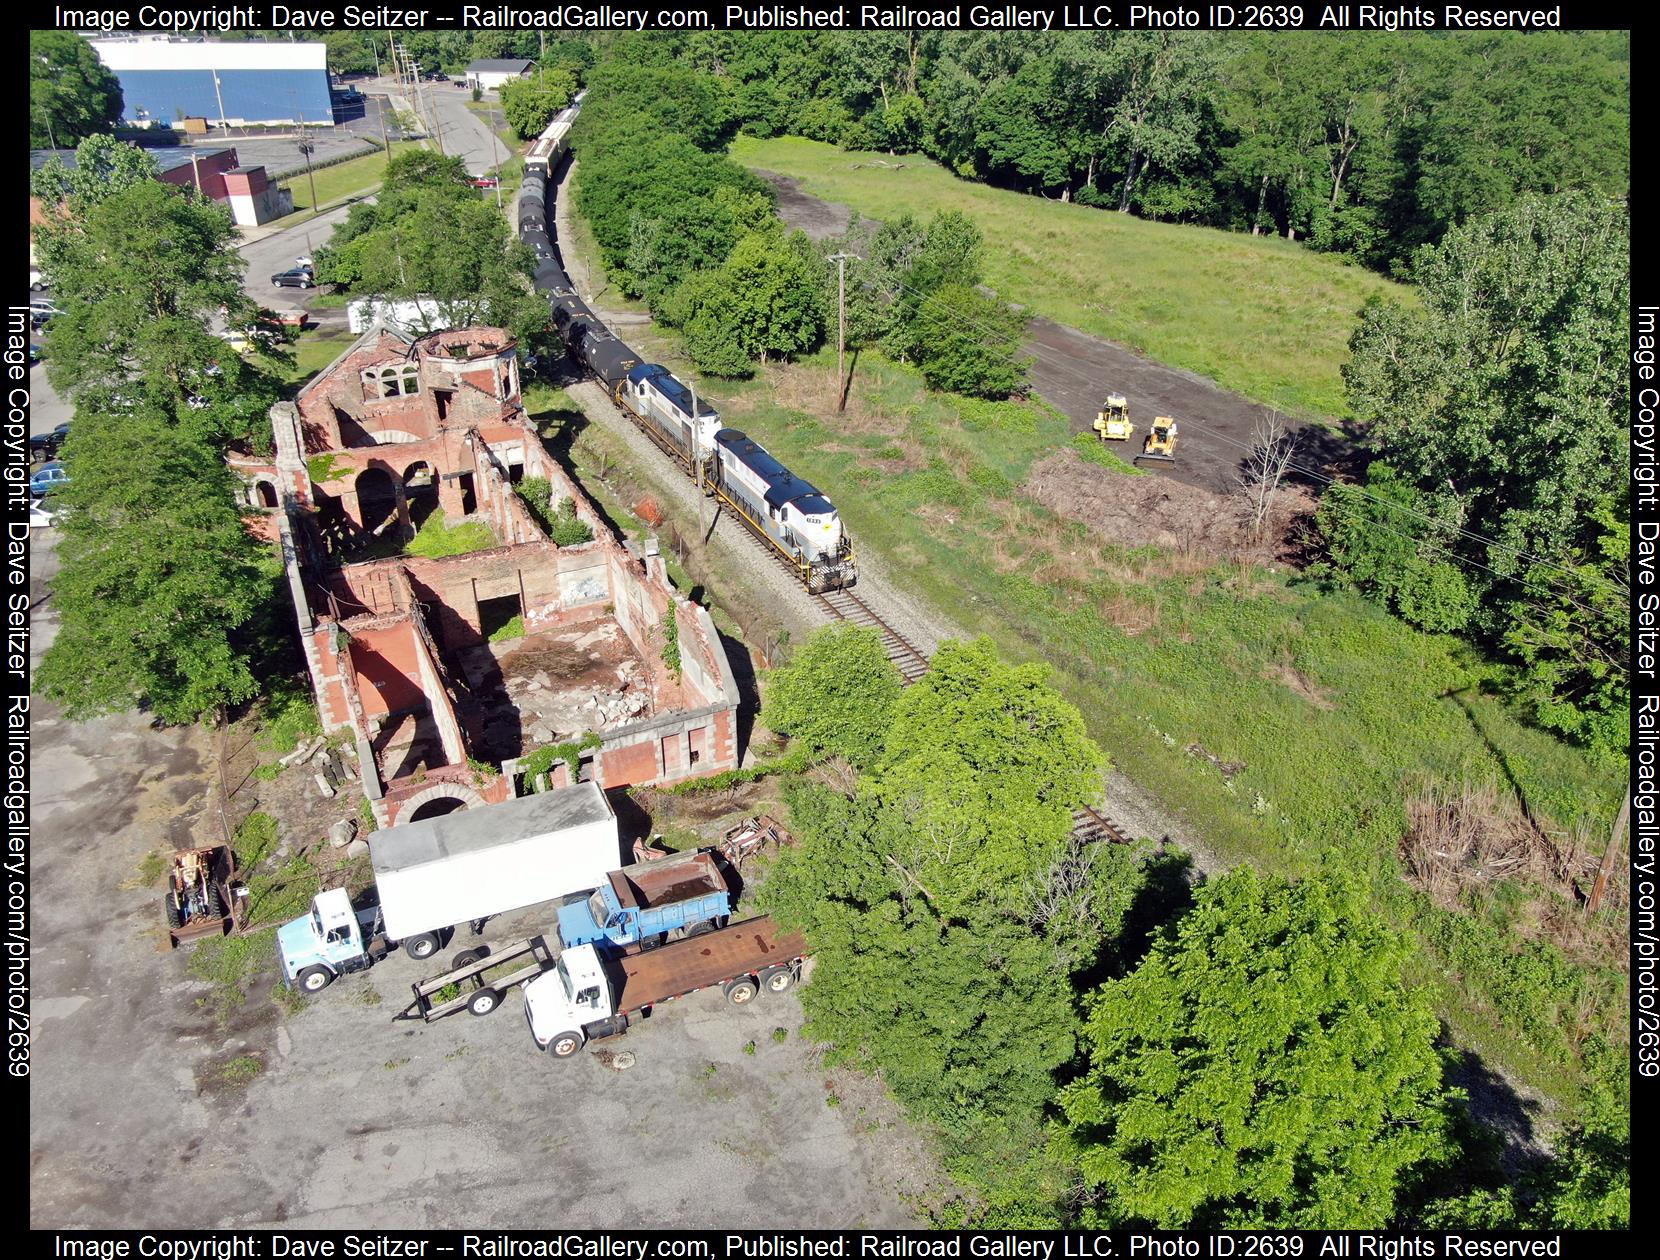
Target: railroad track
907,658
1089,826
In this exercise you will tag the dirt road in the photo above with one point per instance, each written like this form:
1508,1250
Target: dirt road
1075,371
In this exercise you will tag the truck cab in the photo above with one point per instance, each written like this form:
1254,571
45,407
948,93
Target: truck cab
649,903
329,940
571,1003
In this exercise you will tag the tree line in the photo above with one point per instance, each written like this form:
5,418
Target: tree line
681,225
1094,1035
166,602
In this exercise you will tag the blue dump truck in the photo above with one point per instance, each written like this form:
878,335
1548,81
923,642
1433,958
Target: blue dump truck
646,904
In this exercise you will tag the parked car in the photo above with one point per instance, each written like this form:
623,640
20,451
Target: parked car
294,278
42,312
486,181
47,444
49,477
40,515
37,282
438,76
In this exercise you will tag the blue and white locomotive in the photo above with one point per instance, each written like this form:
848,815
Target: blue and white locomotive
788,514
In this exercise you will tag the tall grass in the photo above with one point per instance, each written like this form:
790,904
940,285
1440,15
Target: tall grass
1264,317
1335,710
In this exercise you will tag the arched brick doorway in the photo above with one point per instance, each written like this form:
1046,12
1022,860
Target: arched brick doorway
438,800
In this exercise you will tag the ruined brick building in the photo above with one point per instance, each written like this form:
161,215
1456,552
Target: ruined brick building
400,428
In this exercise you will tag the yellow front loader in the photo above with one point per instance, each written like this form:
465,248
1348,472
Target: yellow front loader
1112,422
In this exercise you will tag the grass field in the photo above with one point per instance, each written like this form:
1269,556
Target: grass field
345,179
1336,711
1263,317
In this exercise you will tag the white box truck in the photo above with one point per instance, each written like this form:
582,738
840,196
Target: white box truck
461,867
417,315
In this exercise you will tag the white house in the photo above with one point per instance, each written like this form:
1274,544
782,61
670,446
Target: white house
491,73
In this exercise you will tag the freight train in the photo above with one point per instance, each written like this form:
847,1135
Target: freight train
788,514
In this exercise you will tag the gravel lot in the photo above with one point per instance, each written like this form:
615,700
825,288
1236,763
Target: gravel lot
351,1119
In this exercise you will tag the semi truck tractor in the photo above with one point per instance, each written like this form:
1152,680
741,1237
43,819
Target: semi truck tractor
642,905
461,867
589,994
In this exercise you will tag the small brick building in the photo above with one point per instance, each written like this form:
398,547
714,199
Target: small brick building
447,668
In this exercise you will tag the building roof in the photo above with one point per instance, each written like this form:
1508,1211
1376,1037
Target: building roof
124,53
494,65
167,159
470,830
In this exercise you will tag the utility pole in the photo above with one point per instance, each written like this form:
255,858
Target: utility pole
386,143
306,146
495,151
1609,855
841,328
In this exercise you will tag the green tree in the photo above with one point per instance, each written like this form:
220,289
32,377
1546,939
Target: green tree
1385,537
836,693
1266,1066
140,276
1500,402
158,575
103,167
967,342
349,52
530,104
1570,635
71,94
988,761
947,903
455,249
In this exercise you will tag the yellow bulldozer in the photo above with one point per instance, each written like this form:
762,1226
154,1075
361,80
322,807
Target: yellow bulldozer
1160,443
1112,422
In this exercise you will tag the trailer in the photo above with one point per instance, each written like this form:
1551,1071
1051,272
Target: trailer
477,989
588,995
641,906
457,868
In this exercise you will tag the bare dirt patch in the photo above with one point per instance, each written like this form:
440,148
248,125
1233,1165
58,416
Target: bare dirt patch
1074,371
1159,512
820,220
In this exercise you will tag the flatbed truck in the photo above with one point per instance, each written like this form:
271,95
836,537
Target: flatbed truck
587,994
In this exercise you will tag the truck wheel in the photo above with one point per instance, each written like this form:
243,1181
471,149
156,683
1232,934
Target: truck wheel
170,907
215,903
565,1044
741,992
700,929
483,1002
777,979
467,957
315,979
424,945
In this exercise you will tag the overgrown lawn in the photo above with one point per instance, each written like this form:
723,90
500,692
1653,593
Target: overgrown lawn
1259,315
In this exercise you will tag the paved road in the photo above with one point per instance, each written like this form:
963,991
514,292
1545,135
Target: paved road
461,132
277,252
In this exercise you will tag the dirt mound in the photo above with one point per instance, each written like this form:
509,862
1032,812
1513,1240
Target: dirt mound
1159,512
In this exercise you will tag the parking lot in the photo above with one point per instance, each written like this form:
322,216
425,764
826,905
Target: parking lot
148,1109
